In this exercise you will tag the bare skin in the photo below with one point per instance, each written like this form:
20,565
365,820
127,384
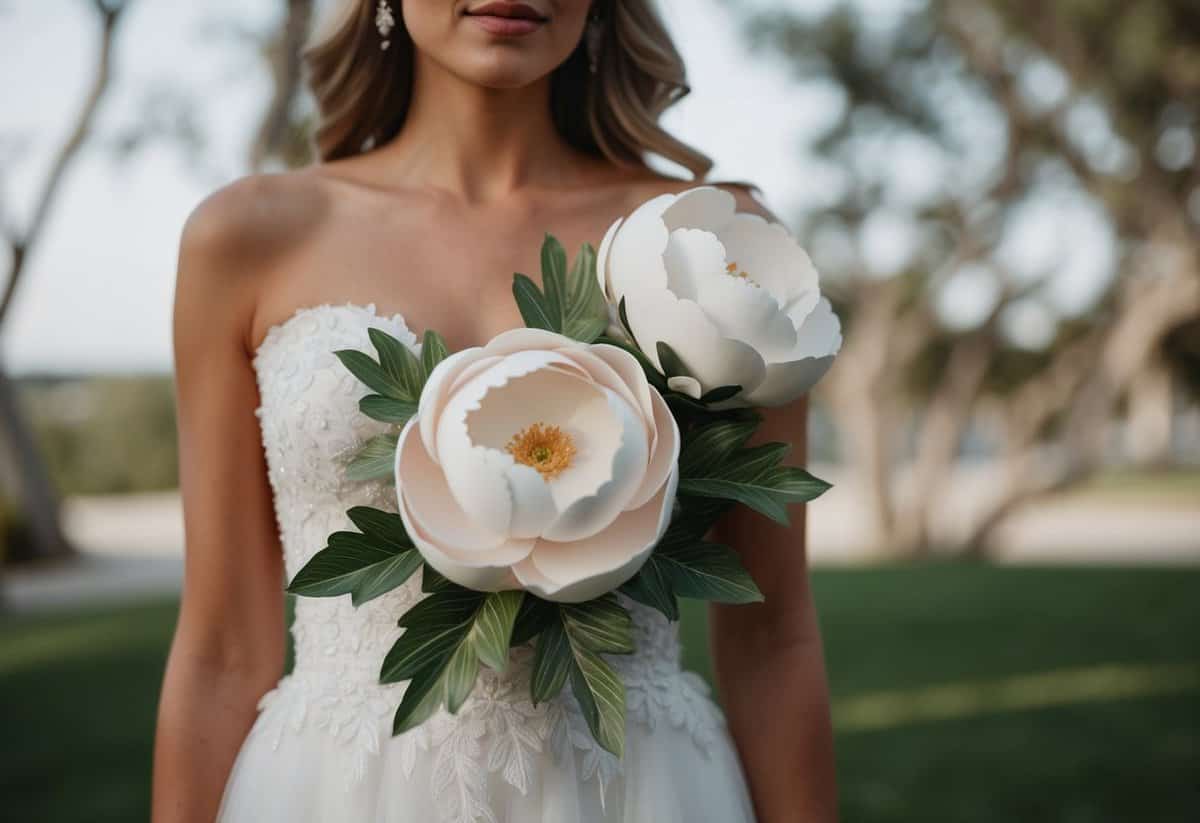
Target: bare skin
431,226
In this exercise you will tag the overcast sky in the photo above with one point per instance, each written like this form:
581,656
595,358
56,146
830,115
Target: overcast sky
98,292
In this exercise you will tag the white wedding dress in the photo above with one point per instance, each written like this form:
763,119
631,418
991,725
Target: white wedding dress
322,749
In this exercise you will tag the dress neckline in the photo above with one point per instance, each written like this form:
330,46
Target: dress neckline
275,330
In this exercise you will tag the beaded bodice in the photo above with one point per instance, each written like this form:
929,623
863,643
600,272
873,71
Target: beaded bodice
310,427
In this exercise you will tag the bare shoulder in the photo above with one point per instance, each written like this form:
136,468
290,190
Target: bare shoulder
236,238
747,195
255,219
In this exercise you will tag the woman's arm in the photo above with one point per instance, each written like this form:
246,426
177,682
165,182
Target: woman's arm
768,659
229,643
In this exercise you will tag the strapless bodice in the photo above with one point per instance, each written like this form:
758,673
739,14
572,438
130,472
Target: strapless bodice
311,426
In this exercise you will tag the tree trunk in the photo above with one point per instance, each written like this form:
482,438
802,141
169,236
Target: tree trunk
35,491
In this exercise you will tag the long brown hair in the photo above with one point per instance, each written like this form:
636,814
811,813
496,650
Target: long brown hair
363,91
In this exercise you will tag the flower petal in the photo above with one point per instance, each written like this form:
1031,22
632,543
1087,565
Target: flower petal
657,315
574,403
618,370
704,207
580,570
820,333
785,382
602,255
685,385
437,392
428,507
592,512
664,455
635,253
692,258
533,504
475,473
743,310
771,256
521,338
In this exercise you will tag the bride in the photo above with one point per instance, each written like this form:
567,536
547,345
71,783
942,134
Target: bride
453,133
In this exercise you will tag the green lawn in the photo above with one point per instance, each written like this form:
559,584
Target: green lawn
962,693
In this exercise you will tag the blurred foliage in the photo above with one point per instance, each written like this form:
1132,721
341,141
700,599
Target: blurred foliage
1008,220
106,435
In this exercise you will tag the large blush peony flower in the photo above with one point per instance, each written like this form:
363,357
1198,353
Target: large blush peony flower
734,295
538,462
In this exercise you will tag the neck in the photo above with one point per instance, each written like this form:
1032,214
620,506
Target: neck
478,142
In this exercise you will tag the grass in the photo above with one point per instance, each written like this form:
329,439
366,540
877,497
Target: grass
962,693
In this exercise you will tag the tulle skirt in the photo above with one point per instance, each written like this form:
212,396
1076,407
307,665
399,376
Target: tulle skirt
489,770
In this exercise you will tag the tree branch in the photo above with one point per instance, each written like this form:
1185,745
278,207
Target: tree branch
22,243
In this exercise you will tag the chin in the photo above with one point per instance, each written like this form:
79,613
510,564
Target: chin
499,70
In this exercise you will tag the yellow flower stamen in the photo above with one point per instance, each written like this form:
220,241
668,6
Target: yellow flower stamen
548,449
733,270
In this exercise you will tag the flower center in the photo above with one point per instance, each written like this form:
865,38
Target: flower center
548,449
733,271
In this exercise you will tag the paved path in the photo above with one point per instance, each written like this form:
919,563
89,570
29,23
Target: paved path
133,545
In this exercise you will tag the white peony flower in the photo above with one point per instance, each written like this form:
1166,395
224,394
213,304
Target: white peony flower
538,462
733,294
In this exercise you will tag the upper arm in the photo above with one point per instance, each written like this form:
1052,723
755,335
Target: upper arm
775,555
232,601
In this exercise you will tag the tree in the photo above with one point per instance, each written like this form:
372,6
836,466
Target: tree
1007,105
35,488
280,136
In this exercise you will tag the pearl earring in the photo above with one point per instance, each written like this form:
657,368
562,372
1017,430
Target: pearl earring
385,21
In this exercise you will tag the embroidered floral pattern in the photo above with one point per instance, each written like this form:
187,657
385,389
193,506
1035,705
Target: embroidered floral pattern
310,425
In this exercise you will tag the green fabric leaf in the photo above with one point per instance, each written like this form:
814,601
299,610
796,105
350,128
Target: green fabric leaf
493,627
587,313
387,409
552,662
623,316
398,361
458,680
385,577
758,496
601,695
672,364
797,483
432,581
442,609
433,351
419,648
565,649
372,374
653,375
350,562
709,446
651,588
535,614
554,281
719,394
754,463
708,571
422,696
381,525
376,460
601,625
532,305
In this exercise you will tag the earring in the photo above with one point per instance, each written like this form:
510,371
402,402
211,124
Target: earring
384,22
593,36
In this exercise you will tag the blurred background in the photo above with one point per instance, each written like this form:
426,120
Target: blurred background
1003,197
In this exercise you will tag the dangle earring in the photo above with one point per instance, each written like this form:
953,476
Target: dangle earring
593,37
384,22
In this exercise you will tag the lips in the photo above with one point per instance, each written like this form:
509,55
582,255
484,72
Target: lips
507,19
